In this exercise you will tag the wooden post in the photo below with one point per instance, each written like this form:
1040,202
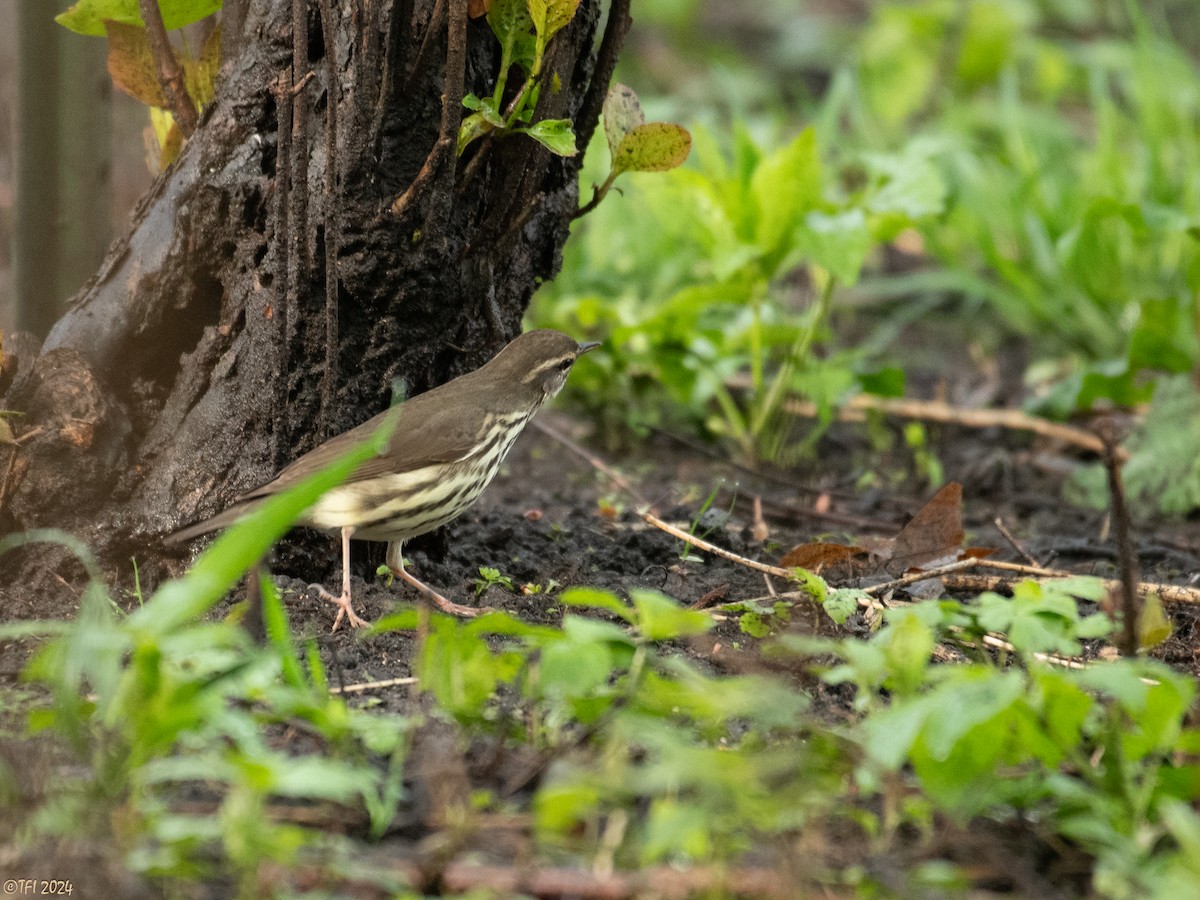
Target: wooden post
64,161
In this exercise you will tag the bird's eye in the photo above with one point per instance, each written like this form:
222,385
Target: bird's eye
565,364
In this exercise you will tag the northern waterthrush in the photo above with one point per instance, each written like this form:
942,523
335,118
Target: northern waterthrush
446,448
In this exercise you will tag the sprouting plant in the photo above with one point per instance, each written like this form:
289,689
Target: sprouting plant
489,577
635,145
531,588
524,29
137,581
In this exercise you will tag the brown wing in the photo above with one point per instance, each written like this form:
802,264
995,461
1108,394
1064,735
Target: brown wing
427,432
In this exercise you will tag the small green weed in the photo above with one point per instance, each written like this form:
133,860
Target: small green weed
489,577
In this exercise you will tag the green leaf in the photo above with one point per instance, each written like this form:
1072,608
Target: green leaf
551,16
585,628
886,381
509,20
655,147
459,668
1086,587
811,582
752,623
597,599
838,243
486,108
842,603
988,40
1163,337
87,16
909,185
660,618
560,807
574,668
888,735
975,696
785,187
473,126
556,135
622,114
1153,626
276,626
907,642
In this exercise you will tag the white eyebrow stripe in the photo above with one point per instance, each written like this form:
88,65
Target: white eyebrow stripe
548,364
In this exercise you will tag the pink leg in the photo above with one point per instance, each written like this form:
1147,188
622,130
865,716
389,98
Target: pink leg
345,609
395,561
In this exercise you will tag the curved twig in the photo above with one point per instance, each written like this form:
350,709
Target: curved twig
442,156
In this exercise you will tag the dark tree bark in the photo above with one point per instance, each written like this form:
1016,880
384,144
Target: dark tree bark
316,241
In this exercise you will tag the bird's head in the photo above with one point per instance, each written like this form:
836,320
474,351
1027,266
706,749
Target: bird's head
539,360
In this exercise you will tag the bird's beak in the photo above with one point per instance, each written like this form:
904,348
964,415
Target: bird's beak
586,346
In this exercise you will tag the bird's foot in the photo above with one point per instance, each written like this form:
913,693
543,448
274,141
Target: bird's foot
442,603
345,609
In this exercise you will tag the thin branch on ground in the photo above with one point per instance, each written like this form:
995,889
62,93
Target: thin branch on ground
522,879
593,460
1012,542
1168,593
936,411
925,575
364,686
699,544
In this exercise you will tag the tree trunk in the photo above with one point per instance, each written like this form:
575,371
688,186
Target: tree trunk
317,241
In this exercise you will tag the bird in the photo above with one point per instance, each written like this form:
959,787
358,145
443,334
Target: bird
446,447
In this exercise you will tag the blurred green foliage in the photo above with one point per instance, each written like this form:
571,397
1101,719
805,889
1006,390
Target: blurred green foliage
1038,160
177,730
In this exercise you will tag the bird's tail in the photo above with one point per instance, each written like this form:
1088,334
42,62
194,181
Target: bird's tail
217,522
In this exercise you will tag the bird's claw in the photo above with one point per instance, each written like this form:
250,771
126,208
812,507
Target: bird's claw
345,609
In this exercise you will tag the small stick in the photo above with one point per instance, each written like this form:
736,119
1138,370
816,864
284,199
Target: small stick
716,595
936,411
170,76
654,520
1124,529
373,685
914,577
1012,542
592,459
303,83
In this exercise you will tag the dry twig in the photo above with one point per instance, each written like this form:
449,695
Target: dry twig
936,411
363,686
1012,542
170,75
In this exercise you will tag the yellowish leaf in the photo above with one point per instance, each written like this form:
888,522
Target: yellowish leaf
654,147
550,16
131,64
1153,626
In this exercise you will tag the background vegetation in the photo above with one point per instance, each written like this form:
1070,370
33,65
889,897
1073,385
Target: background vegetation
1024,169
